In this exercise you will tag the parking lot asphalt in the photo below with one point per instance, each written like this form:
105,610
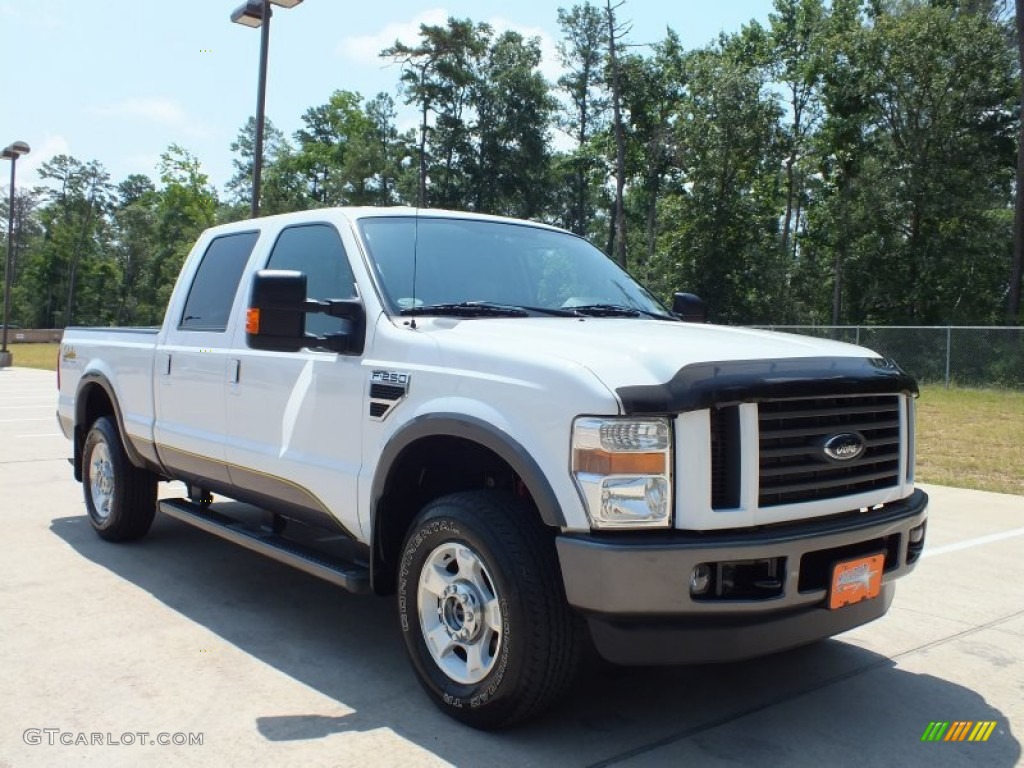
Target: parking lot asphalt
183,636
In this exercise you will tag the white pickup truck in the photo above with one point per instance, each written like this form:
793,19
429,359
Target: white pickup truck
490,420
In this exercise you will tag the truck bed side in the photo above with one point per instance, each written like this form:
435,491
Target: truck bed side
107,370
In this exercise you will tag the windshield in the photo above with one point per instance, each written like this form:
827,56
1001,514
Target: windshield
466,261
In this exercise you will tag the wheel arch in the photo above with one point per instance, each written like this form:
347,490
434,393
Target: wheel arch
95,398
437,438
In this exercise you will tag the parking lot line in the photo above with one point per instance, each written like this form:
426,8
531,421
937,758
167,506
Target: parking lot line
976,542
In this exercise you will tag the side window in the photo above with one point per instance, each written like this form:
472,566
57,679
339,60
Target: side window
213,288
316,249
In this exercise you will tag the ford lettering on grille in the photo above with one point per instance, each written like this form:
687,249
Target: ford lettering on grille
844,447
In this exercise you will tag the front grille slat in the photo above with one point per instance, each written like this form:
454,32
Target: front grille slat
854,426
787,470
793,467
842,411
834,483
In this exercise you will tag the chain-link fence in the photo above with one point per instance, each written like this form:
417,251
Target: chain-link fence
967,356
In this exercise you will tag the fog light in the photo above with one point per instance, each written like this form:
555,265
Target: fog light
700,579
916,534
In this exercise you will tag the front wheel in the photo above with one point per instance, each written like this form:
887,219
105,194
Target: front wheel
483,609
120,498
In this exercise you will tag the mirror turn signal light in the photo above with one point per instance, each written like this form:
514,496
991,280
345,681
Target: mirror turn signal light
252,321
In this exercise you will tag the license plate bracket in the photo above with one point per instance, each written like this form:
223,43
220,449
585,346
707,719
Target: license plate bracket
856,579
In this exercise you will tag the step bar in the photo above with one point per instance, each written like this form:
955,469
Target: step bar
351,576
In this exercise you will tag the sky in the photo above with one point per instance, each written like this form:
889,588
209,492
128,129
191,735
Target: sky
119,80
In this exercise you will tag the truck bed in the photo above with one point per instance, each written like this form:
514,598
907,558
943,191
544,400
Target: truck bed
125,357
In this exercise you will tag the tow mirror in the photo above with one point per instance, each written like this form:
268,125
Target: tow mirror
276,318
689,307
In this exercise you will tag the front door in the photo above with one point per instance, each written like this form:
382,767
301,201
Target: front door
294,417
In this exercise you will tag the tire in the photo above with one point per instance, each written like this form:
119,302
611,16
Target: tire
120,498
479,581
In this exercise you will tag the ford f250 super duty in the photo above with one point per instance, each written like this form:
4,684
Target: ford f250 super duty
491,421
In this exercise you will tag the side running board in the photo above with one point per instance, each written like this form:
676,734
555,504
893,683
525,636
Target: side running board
348,575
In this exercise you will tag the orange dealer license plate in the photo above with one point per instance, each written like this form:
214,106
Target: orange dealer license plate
856,580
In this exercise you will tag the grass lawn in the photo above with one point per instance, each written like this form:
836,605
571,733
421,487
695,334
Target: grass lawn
971,438
35,355
968,438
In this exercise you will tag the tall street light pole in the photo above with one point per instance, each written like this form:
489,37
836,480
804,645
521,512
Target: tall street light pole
257,13
11,152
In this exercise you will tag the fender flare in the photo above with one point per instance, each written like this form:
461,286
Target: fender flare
88,380
477,431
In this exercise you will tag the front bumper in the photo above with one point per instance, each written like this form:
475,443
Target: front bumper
634,589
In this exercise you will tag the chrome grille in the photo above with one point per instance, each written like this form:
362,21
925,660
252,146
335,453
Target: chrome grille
793,467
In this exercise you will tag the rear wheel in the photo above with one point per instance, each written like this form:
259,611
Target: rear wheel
483,609
120,498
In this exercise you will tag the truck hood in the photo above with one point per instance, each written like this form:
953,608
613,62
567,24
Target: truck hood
621,352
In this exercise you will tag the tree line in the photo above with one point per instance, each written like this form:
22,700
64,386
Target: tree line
849,162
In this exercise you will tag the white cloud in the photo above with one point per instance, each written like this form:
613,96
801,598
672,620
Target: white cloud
154,109
365,49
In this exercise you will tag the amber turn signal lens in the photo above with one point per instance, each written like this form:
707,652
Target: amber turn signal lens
252,321
598,462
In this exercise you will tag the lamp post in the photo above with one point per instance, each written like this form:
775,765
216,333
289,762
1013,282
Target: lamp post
257,13
11,152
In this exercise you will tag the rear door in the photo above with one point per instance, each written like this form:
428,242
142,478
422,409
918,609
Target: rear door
191,365
294,417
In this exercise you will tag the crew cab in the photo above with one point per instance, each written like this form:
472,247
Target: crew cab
490,421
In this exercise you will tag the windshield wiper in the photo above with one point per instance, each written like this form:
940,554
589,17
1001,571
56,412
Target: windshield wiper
467,309
495,309
605,310
615,310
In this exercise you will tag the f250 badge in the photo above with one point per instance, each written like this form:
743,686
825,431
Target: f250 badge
387,390
390,377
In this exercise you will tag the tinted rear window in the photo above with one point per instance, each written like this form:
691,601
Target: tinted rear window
213,290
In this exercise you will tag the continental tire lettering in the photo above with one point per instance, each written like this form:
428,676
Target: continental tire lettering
499,673
433,526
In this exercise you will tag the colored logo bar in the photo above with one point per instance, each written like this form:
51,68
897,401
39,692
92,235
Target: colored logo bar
958,730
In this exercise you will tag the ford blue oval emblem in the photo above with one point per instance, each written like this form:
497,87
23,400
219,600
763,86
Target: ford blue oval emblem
844,447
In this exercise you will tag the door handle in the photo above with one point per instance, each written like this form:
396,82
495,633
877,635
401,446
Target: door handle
236,371
167,364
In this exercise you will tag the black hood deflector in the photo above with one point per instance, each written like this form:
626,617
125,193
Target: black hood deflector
702,385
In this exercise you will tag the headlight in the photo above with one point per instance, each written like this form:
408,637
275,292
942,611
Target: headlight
622,467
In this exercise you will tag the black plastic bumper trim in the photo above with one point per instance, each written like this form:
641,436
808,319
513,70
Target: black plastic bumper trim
728,638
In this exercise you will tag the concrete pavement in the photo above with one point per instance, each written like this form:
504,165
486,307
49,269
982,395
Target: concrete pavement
183,634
